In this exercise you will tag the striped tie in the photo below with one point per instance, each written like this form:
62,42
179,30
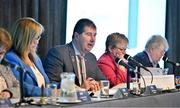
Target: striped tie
82,69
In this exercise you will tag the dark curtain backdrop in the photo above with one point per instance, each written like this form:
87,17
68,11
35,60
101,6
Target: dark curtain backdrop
173,32
50,13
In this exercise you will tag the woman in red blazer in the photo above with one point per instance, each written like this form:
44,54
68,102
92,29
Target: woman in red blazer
116,45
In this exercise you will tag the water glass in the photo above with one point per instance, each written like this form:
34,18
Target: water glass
104,88
53,97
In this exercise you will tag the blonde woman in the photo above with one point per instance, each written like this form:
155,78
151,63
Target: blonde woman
26,34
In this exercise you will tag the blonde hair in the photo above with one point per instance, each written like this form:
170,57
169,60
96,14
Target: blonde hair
115,38
23,32
5,39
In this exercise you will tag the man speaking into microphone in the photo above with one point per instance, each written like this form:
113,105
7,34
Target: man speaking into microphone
112,62
155,48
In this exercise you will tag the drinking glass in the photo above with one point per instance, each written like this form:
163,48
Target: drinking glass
53,97
104,88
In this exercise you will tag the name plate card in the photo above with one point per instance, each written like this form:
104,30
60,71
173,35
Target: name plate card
83,96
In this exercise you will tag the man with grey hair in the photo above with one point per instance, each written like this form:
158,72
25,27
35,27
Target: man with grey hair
155,48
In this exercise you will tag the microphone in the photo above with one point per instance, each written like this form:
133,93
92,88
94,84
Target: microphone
166,59
6,63
21,81
121,62
129,58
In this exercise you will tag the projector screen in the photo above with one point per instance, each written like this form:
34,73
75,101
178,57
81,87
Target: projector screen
137,19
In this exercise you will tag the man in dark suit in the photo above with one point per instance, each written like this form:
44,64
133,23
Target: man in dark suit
155,48
144,59
65,58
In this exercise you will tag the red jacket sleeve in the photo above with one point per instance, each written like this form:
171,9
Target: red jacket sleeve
111,71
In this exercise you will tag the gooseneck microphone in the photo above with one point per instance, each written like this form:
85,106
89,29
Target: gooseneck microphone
128,67
129,58
22,72
13,66
166,59
121,62
139,65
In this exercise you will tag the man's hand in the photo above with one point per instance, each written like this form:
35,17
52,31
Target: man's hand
91,85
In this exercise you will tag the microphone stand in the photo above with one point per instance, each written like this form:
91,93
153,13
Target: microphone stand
21,82
128,77
22,100
173,69
128,82
136,84
138,72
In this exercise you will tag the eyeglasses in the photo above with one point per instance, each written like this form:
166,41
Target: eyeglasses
2,51
162,51
38,38
121,49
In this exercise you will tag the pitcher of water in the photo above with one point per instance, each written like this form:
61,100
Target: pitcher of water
68,91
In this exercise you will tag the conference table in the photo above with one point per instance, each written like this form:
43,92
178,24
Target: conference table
163,99
160,100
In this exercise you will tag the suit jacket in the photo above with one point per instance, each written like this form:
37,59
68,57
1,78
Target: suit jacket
62,58
143,58
30,82
111,70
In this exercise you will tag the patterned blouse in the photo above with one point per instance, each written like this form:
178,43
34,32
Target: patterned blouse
8,81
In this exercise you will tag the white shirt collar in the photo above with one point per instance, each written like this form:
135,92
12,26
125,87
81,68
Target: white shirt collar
77,52
154,64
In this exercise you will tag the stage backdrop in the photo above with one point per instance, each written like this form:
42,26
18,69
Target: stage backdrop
173,32
50,13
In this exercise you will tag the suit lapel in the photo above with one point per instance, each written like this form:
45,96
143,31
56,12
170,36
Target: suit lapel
31,73
73,59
